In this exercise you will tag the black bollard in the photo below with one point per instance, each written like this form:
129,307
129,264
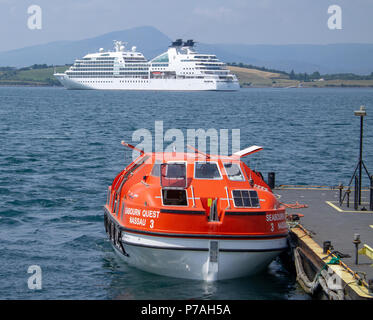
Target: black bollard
356,242
271,180
326,246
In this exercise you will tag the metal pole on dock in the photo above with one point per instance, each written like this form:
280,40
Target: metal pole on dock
356,193
361,155
360,113
371,194
271,180
340,187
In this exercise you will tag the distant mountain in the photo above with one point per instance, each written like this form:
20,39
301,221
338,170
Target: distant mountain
331,58
148,40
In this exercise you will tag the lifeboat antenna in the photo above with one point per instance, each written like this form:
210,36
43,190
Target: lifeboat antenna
197,151
132,147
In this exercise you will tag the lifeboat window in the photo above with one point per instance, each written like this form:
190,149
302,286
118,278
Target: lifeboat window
174,197
173,175
156,171
206,170
133,168
245,198
233,171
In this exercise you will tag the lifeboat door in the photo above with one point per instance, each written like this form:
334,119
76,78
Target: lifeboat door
173,175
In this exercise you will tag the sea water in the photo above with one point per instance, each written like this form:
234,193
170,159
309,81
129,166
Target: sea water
60,149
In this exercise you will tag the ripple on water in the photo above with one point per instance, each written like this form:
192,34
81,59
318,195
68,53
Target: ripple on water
39,202
79,219
60,150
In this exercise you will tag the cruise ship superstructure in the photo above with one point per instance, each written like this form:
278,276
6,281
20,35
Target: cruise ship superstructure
179,68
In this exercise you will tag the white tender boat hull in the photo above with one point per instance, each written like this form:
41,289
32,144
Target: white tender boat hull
199,259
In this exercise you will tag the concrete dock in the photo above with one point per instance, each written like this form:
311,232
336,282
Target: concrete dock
323,219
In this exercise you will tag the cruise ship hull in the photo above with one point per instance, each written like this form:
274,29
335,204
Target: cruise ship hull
147,84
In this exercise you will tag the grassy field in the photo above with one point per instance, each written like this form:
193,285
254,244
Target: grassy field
256,78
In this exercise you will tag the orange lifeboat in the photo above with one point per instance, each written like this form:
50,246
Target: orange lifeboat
194,216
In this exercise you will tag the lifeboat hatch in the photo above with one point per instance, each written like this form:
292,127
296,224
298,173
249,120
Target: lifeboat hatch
174,197
173,176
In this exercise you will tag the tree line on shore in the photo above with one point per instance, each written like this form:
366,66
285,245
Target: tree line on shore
33,67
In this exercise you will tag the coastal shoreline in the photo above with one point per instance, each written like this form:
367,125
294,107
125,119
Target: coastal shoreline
248,78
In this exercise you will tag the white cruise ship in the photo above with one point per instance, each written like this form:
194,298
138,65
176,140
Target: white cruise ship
179,68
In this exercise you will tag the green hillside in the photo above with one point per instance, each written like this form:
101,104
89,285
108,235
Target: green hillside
36,75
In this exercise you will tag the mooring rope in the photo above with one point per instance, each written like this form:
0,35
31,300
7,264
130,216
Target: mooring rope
321,278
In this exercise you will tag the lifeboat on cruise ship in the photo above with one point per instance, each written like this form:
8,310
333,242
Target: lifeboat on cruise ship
194,215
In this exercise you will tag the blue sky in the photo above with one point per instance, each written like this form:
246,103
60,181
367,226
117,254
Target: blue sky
209,21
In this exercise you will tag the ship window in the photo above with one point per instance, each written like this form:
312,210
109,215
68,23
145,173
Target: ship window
245,198
233,171
206,170
174,197
161,58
